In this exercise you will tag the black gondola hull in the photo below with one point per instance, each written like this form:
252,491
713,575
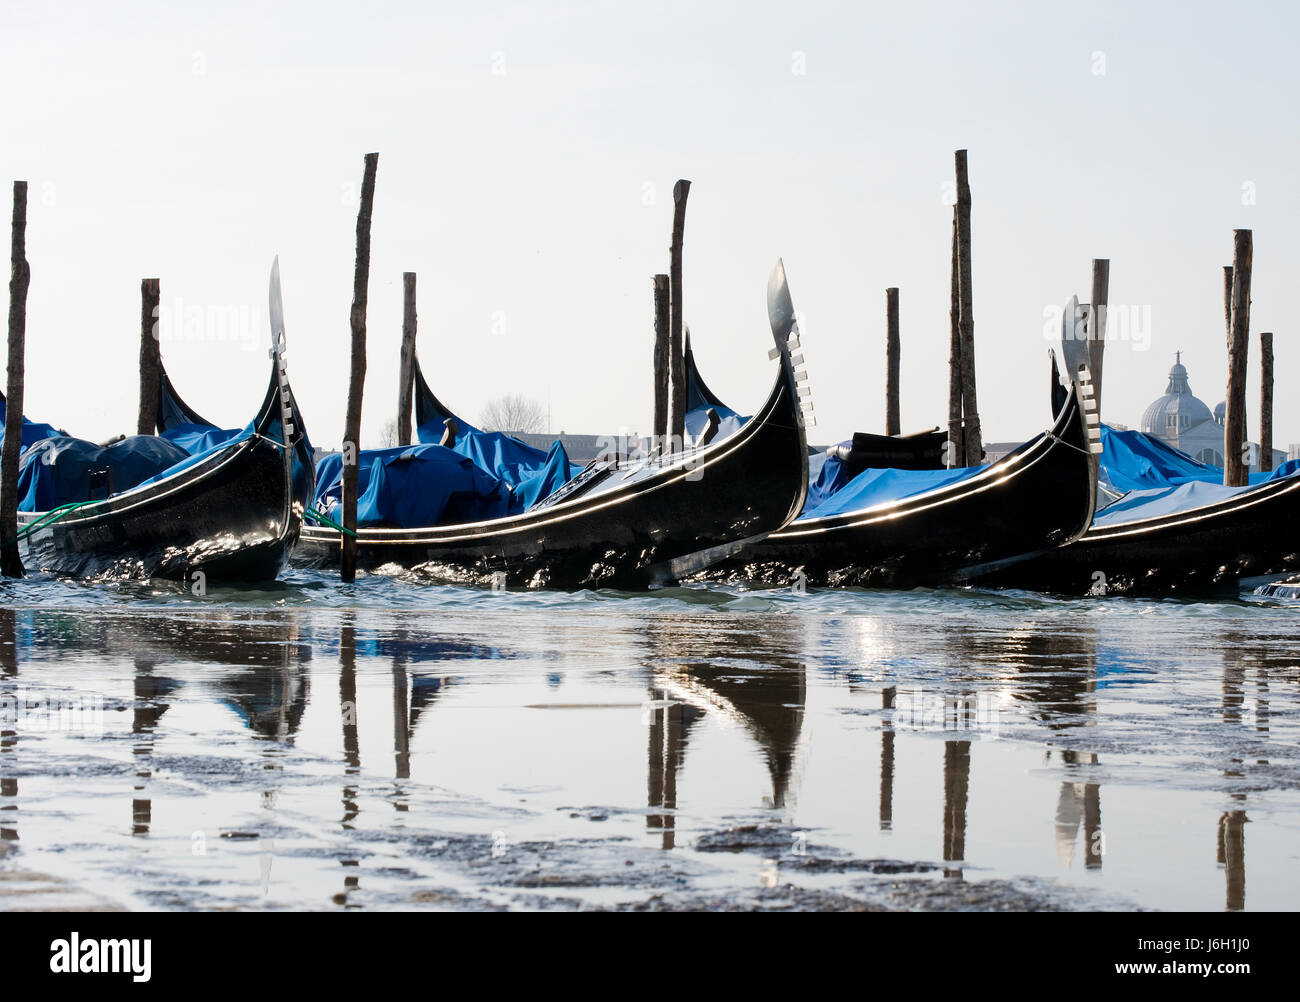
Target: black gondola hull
655,528
223,517
1038,498
1201,552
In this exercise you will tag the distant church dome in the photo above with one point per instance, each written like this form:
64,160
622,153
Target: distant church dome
1221,412
1178,410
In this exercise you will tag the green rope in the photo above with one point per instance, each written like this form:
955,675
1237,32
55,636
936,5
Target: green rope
51,516
320,518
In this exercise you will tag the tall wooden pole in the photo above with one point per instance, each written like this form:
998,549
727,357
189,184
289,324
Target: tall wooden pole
150,357
970,408
357,380
956,442
1266,402
406,371
1227,326
20,276
892,350
1234,423
1097,325
678,422
661,360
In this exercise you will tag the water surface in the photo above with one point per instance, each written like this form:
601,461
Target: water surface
393,744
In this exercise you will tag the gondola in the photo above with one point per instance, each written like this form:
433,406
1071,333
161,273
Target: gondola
1188,535
907,525
623,521
228,511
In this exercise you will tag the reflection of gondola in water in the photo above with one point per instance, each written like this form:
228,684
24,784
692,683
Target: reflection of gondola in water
766,701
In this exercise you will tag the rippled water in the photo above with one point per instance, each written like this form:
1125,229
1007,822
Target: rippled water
396,745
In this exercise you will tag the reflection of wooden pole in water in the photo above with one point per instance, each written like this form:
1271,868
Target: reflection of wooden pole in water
665,757
1261,705
1234,678
887,763
143,724
1232,857
1092,837
351,744
401,714
348,707
956,785
8,737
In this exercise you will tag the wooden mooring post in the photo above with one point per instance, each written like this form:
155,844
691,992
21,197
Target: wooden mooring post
956,448
893,420
1097,324
1235,469
357,378
661,362
1265,402
970,408
406,370
678,362
20,276
150,357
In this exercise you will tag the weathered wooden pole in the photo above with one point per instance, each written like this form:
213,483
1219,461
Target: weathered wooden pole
1227,299
406,371
892,349
661,361
678,422
956,443
1266,402
357,380
1234,423
970,409
1097,324
150,357
20,276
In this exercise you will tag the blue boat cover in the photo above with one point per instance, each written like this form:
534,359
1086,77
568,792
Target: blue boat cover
1167,500
497,453
697,419
1134,461
413,486
197,438
873,487
1160,480
56,471
427,485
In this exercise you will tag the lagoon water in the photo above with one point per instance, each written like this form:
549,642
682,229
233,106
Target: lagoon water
395,745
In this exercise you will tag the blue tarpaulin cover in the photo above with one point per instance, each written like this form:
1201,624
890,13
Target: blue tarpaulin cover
873,487
1134,461
56,471
413,486
197,438
1166,500
697,419
1160,480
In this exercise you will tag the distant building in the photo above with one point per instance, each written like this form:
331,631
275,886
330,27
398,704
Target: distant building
581,449
1185,422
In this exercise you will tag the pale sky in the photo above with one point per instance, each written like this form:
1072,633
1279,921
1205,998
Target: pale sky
527,157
